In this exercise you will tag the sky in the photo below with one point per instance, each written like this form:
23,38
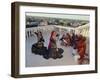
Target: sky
58,15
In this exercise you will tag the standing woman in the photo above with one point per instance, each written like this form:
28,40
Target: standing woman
39,36
68,39
39,48
81,49
54,52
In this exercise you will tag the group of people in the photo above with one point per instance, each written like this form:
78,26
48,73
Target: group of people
52,51
78,43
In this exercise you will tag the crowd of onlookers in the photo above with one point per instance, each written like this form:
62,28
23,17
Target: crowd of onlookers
78,42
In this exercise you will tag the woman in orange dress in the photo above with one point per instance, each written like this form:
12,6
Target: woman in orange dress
81,47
